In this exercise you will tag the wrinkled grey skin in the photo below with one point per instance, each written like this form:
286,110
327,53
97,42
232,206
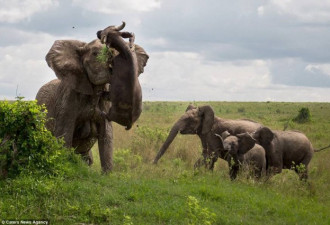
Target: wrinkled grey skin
75,101
285,150
201,121
241,149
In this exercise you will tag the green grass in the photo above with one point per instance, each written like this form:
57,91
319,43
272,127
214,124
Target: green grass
137,192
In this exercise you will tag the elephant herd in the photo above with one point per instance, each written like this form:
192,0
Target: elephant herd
243,141
90,93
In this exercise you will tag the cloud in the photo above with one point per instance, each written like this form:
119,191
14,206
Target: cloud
297,72
23,69
242,50
319,68
116,7
236,31
19,10
302,10
187,76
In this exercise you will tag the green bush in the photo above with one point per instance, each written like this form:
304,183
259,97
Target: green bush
241,110
303,116
125,159
197,214
25,144
154,134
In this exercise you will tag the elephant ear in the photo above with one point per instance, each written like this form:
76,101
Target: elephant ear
64,58
246,142
220,140
207,114
225,134
190,107
142,58
266,136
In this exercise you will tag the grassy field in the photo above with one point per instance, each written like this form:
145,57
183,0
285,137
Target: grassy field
137,192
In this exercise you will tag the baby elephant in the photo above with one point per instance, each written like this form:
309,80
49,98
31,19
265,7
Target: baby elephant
285,150
242,150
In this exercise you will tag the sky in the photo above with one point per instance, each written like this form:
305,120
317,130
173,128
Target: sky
211,50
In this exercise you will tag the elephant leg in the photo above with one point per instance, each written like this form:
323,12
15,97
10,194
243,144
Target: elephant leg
66,134
257,172
199,163
64,128
204,160
105,145
212,160
302,172
272,170
88,157
303,175
233,171
84,148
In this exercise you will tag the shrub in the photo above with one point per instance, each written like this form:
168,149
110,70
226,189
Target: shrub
241,110
146,141
303,116
25,144
125,159
154,134
197,214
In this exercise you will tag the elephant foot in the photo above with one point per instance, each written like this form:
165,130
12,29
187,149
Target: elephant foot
106,171
199,163
88,158
303,176
233,173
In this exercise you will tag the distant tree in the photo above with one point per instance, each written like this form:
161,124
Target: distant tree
303,116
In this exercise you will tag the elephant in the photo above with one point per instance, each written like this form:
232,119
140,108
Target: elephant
78,101
201,121
241,149
285,150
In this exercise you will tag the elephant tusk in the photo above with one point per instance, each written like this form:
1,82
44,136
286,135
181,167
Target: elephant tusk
104,39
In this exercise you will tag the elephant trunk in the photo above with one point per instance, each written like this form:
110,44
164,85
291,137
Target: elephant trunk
174,131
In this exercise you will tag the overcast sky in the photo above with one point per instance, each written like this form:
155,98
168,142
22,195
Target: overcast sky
242,50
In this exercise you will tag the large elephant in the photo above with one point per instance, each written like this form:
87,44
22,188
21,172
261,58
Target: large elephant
78,100
201,121
241,149
285,150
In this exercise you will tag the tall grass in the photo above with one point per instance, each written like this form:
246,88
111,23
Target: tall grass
172,192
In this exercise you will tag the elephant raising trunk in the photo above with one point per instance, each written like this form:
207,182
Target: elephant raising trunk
125,90
174,131
195,121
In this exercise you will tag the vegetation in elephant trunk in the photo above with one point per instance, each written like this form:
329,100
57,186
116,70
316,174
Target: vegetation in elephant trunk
125,90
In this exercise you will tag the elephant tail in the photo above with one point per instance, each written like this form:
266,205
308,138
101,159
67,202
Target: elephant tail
320,149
